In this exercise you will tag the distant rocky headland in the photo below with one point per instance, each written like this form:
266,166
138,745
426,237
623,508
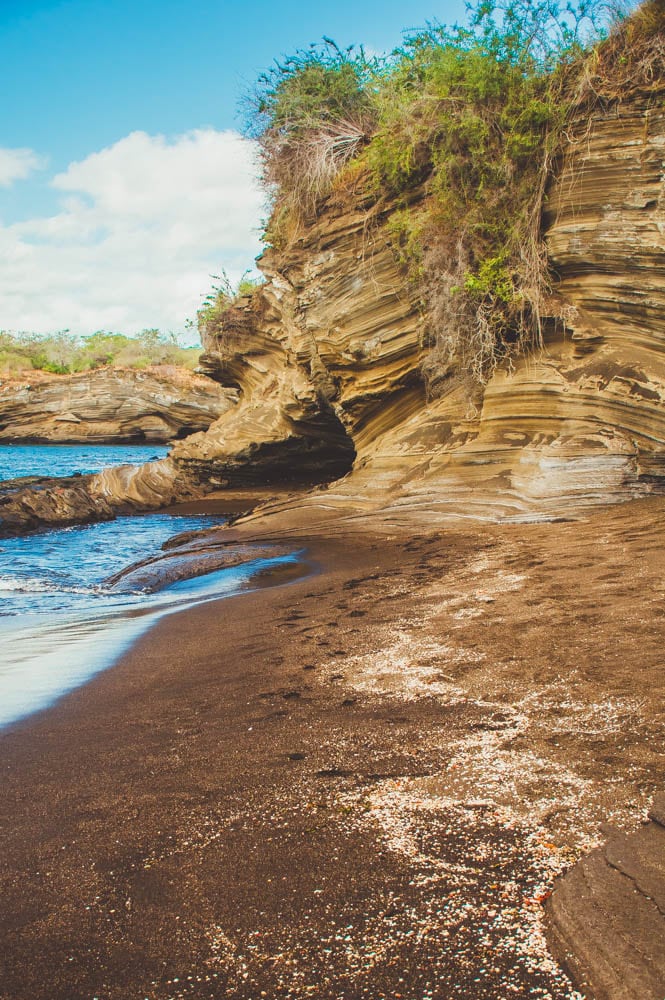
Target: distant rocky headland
108,405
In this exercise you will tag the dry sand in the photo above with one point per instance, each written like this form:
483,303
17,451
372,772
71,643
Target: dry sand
360,784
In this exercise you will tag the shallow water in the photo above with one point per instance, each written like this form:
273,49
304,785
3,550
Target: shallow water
18,460
45,655
63,569
59,624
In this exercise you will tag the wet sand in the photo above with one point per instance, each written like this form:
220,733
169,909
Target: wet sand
357,784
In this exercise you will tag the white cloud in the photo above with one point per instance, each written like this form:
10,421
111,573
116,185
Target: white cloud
17,164
140,227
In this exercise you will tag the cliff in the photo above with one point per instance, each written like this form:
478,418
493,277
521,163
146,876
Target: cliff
338,327
326,355
325,362
119,405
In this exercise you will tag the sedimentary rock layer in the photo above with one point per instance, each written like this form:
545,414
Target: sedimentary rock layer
105,405
318,355
33,502
325,361
338,327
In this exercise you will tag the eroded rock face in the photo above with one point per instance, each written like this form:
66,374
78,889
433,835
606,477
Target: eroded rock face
319,354
581,422
110,405
326,358
34,502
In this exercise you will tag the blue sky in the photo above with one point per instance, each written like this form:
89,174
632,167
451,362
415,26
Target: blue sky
82,77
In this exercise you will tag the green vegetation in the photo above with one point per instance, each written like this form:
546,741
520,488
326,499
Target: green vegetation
62,353
464,122
476,115
219,316
311,114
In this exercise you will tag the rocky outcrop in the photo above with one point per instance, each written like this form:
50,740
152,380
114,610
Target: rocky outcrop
318,354
110,405
606,917
32,502
325,362
580,422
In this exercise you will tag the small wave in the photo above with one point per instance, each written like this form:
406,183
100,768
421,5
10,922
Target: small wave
62,569
36,585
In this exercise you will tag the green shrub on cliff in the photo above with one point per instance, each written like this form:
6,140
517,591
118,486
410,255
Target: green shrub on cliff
472,116
311,114
219,314
475,114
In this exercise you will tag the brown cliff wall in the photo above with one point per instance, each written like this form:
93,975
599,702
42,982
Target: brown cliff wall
326,359
581,422
331,337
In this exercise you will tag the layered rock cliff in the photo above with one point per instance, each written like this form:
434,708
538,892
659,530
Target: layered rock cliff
119,405
326,355
325,359
580,422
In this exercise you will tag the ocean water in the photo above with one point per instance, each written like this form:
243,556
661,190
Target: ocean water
59,624
65,459
45,655
64,569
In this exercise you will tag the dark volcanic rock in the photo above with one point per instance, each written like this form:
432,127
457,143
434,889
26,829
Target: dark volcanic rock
607,915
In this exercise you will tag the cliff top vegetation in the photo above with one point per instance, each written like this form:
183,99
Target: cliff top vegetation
220,313
464,123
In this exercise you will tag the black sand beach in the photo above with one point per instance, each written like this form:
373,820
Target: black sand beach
358,784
